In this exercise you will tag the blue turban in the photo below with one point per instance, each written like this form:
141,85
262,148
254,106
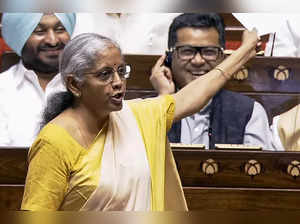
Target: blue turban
17,27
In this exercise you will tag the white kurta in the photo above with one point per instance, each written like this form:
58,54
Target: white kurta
137,33
287,38
22,101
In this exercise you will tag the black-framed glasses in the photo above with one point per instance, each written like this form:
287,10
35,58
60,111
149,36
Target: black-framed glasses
209,53
106,75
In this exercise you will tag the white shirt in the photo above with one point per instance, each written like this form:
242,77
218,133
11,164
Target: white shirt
276,142
194,129
136,33
287,38
22,101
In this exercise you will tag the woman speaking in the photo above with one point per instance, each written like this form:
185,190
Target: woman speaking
99,152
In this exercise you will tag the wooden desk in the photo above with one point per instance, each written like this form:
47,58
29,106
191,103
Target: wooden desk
13,168
230,188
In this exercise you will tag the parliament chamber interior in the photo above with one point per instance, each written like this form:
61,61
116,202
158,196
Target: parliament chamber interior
228,178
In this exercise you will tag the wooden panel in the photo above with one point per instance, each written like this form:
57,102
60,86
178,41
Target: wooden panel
234,29
200,198
275,103
141,71
13,166
229,189
214,199
230,20
261,78
231,168
11,197
8,59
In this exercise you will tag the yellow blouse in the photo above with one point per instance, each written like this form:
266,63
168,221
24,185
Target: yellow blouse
62,174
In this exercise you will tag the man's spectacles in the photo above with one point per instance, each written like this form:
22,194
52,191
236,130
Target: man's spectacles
208,53
106,75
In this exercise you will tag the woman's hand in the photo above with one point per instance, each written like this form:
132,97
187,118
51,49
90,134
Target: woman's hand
161,78
250,44
250,37
251,40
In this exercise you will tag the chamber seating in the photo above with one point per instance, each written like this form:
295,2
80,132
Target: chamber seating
226,185
212,180
240,180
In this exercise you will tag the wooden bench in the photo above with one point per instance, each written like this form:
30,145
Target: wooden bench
240,180
212,180
13,169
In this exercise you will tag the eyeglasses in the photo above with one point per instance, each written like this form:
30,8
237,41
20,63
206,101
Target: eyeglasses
208,53
106,75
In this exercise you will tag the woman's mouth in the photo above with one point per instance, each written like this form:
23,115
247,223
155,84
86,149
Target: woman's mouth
118,98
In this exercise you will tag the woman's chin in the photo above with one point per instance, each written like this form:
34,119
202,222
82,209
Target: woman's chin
116,106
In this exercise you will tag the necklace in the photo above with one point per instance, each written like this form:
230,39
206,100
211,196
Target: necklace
87,140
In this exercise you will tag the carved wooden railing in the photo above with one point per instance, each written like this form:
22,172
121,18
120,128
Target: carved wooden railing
212,180
240,180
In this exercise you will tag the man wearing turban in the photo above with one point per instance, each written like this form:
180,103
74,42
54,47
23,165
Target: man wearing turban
38,39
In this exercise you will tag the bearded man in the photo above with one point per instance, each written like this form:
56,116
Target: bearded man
38,39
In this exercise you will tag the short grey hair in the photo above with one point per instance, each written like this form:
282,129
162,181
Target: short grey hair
80,54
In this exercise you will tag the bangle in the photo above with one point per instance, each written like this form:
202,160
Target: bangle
223,73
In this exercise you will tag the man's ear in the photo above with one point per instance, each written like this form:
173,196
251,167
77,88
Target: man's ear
73,85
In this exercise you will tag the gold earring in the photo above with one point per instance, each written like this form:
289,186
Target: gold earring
78,95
